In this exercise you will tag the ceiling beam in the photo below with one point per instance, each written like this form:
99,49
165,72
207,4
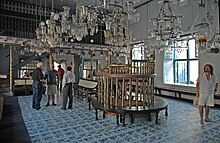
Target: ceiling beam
142,4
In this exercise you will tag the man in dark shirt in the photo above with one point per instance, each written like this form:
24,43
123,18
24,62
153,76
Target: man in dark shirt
37,86
51,76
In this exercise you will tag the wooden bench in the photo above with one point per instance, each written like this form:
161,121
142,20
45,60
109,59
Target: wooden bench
85,88
178,93
22,86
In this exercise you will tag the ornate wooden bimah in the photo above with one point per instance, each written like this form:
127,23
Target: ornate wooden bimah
128,91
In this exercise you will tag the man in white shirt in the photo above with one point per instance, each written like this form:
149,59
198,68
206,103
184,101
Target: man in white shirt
67,86
206,86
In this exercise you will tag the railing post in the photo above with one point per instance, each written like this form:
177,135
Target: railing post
105,92
91,65
111,92
101,93
144,93
152,90
11,69
130,92
116,98
123,92
136,93
99,88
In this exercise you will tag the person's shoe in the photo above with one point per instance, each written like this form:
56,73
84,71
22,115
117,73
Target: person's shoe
201,122
69,107
208,120
63,108
48,104
37,108
54,104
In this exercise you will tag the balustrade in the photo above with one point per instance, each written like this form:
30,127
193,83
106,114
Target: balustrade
125,86
120,91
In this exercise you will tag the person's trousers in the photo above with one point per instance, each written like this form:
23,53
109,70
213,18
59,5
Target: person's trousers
67,93
37,94
60,84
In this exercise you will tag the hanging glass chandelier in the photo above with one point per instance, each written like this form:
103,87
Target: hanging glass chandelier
201,28
61,27
116,18
84,22
201,24
212,45
40,45
166,25
54,34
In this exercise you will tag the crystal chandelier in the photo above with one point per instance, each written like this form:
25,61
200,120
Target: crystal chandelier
54,34
215,41
84,22
116,22
63,26
40,45
212,45
202,24
49,32
202,43
201,28
166,25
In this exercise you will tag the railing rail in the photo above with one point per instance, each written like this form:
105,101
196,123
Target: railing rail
136,67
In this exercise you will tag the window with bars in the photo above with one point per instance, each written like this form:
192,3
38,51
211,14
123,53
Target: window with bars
181,63
28,68
87,68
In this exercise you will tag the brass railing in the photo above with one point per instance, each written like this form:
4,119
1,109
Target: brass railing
143,67
136,67
120,91
120,68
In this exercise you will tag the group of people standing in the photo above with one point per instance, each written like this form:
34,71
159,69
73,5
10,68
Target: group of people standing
54,80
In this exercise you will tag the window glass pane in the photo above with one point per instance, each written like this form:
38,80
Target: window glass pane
28,68
181,72
181,50
192,49
87,65
137,52
168,71
87,68
168,54
194,65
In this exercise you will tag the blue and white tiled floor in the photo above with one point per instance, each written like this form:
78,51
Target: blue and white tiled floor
78,125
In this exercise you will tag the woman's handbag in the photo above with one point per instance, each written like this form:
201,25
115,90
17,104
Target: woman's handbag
195,102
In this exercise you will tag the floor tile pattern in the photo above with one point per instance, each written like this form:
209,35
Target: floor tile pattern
78,125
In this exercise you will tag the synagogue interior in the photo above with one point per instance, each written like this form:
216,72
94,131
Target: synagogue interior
130,71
